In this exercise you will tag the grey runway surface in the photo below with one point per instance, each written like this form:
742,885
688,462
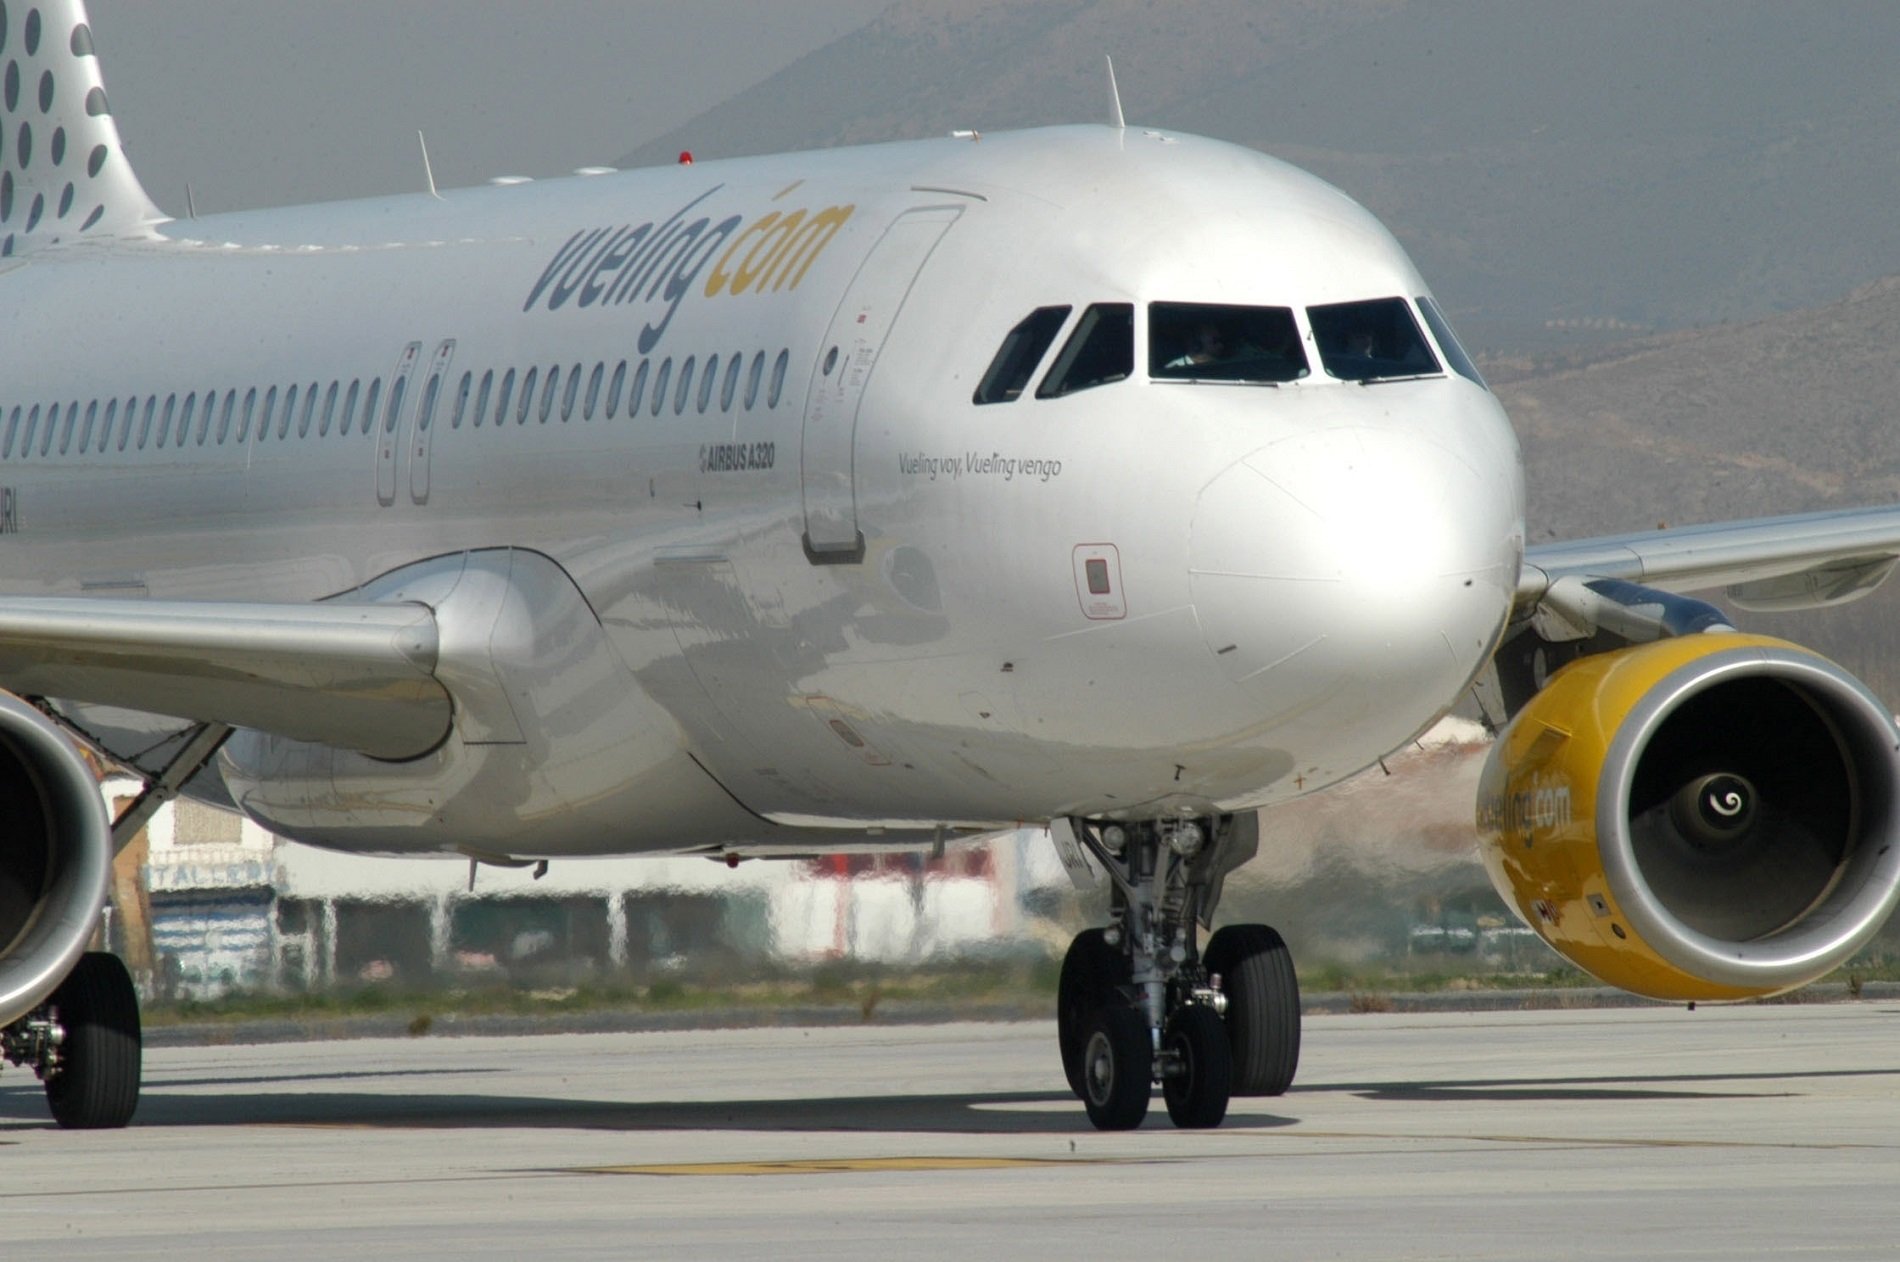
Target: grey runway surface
1640,1133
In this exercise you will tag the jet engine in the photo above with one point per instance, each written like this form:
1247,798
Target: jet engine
1707,817
55,857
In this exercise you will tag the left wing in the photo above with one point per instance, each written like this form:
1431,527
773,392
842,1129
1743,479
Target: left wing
360,676
1768,563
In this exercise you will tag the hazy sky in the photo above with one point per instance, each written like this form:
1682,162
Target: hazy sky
259,104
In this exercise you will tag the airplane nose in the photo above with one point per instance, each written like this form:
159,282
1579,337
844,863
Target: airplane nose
1347,563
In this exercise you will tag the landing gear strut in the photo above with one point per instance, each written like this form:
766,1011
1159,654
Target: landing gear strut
85,1045
1139,1002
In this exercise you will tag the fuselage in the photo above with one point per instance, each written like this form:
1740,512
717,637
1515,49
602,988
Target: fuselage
737,404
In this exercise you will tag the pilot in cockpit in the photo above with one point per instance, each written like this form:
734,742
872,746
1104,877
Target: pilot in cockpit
1208,345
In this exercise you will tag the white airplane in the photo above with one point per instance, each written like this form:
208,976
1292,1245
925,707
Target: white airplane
1107,479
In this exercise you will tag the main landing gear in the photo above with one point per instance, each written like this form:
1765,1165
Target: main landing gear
1139,1002
85,1045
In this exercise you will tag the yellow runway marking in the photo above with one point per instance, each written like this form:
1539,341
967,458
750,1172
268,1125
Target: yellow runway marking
842,1165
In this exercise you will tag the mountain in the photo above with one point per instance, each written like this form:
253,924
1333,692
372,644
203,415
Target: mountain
1792,413
1562,172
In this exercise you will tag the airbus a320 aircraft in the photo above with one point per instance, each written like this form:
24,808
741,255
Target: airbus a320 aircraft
1101,478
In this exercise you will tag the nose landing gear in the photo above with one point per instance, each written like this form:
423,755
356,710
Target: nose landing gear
1138,1002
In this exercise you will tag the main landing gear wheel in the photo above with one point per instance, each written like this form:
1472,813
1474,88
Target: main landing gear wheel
1198,1078
1117,1069
1263,1006
1092,973
96,1085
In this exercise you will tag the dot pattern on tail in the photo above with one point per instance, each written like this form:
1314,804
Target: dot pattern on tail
63,172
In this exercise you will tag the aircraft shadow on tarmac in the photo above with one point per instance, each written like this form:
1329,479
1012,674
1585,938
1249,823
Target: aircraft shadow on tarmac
1023,1112
1606,1087
239,1102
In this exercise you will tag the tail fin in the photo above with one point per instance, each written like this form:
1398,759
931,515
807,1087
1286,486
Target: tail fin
63,172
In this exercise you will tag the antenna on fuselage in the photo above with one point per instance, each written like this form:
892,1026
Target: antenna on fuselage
1115,118
428,172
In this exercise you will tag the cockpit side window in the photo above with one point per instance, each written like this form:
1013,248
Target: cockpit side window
1371,341
1448,343
1198,341
1017,357
1101,350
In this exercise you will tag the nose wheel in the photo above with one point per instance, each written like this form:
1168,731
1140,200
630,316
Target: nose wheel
1117,1068
1138,1004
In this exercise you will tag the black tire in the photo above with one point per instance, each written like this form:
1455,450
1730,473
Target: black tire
1196,1040
1263,1006
1092,972
1118,1069
97,1083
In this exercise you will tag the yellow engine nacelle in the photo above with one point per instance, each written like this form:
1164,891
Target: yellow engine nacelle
1711,817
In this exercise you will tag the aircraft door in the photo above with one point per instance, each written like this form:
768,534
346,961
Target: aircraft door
386,425
425,421
846,359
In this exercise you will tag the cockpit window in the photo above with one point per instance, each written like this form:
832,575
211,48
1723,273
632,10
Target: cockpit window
1101,350
1371,341
1017,357
1197,341
1448,342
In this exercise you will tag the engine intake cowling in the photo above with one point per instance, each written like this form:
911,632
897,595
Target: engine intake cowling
1711,817
55,857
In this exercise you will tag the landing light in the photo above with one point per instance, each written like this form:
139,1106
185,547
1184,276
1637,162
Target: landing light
1186,840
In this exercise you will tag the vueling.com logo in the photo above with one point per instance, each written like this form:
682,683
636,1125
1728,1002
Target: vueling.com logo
651,264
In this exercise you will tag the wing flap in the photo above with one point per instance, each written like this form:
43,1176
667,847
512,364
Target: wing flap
358,676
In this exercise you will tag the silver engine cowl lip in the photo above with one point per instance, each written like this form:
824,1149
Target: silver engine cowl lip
1867,883
78,838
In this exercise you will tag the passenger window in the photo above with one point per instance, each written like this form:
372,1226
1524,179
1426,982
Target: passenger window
593,392
731,387
659,384
573,385
1100,351
461,399
548,392
639,391
481,397
685,386
164,422
526,404
66,430
1448,343
777,387
204,417
289,414
1376,340
707,380
370,400
349,407
244,417
752,379
426,413
13,429
1198,341
105,426
329,411
502,397
614,387
393,413
145,421
1016,359
265,413
85,431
